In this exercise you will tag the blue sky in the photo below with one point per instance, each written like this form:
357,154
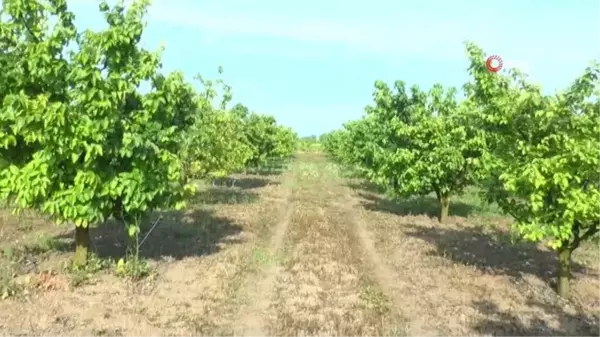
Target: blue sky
312,63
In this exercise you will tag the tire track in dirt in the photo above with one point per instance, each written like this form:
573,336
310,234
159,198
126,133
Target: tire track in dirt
321,289
251,319
397,290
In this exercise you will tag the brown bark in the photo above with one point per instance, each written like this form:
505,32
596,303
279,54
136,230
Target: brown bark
564,272
83,243
445,206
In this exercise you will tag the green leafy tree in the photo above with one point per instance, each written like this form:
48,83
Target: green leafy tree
544,156
427,144
78,141
286,141
354,146
359,145
240,110
267,139
215,146
331,143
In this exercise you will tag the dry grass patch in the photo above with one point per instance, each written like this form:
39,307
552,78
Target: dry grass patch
469,277
324,288
199,258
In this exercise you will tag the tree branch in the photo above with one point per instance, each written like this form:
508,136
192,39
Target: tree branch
578,239
37,40
589,233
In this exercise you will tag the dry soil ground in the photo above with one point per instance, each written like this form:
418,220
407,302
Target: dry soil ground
304,252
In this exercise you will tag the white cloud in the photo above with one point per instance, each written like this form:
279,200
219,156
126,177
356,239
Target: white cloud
410,36
413,35
420,35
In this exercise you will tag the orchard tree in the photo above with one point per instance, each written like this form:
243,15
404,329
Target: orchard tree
544,156
240,110
354,146
358,145
286,142
267,139
428,144
78,141
215,145
333,144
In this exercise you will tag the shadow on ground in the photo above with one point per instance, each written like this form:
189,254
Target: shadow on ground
418,205
503,323
365,186
177,234
489,250
267,171
273,167
240,194
244,183
192,232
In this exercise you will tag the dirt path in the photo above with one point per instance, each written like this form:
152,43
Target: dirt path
406,299
322,285
258,289
314,280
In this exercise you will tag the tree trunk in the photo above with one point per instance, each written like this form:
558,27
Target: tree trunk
83,244
564,272
445,206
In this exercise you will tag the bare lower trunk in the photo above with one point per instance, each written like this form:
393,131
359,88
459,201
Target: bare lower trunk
83,244
564,272
444,207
